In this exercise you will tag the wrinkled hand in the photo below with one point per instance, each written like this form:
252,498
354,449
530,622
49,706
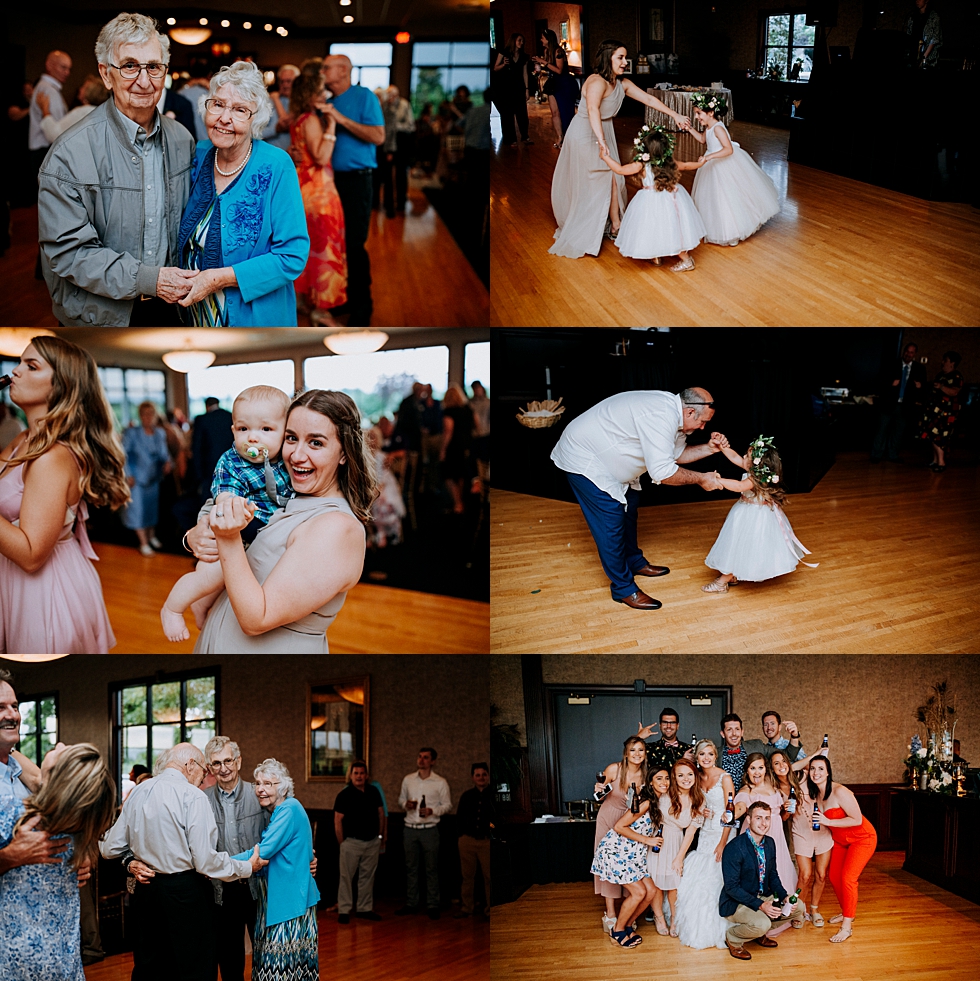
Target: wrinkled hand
313,866
718,442
711,481
205,284
202,542
256,862
43,102
30,847
173,283
140,871
230,515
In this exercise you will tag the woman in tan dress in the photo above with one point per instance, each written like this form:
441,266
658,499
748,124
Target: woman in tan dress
282,595
585,193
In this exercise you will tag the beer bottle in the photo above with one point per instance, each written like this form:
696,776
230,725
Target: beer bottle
659,834
421,805
729,811
634,799
694,739
790,903
5,380
791,803
816,818
823,745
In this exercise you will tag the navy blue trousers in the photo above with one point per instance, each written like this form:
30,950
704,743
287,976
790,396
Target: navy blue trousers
614,529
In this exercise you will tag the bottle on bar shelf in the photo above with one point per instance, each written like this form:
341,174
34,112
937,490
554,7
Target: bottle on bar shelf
659,834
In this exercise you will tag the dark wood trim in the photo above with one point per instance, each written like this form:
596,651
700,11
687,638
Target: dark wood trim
887,809
540,727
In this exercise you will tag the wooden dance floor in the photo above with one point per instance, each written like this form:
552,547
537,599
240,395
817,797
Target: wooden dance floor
840,252
421,278
410,948
905,929
896,546
374,620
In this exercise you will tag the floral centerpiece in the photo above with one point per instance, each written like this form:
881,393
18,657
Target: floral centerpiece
929,767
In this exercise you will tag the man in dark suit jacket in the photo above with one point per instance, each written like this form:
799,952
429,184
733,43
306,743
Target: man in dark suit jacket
212,436
751,898
177,107
898,403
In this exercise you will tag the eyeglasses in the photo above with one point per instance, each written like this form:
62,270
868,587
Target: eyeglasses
712,404
215,108
216,765
132,69
201,765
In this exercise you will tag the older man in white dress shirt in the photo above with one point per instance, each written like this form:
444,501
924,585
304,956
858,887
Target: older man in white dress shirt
166,834
606,449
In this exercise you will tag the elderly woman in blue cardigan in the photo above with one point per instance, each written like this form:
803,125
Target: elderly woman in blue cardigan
244,226
285,938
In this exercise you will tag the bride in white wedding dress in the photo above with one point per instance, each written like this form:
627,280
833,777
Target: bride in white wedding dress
699,923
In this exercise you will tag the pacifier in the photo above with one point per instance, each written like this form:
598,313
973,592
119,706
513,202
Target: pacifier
254,451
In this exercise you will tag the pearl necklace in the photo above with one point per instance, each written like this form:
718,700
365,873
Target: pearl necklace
231,173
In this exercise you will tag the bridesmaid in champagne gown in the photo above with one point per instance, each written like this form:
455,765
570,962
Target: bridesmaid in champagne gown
585,193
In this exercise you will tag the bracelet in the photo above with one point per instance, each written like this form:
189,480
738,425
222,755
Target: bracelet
327,136
183,542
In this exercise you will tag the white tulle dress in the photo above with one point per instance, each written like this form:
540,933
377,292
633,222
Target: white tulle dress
659,223
756,542
734,195
699,924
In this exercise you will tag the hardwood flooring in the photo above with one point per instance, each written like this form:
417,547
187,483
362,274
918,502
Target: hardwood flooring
839,253
374,620
906,930
421,278
408,948
895,545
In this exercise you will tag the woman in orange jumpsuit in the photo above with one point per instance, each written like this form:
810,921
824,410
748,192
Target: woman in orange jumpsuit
855,840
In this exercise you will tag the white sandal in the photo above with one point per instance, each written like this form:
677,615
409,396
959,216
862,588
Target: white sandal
840,936
719,586
817,919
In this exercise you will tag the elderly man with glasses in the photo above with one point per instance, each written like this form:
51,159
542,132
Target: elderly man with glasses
167,837
606,449
112,190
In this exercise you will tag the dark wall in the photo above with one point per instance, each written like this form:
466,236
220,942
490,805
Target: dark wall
764,381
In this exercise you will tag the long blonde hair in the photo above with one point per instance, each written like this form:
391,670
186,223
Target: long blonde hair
79,417
78,798
625,763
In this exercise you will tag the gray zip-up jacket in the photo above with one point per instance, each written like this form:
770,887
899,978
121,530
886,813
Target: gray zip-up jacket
251,820
91,215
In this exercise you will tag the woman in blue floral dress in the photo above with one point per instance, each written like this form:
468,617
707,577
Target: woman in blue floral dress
942,410
39,905
622,858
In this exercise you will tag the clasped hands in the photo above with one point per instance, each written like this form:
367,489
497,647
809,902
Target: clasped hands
230,515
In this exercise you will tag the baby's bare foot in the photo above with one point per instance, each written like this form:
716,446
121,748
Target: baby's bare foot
174,626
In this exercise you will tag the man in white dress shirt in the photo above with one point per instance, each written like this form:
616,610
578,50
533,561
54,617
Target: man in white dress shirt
167,834
606,449
57,68
425,797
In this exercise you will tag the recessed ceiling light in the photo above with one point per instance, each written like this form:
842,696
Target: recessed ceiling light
203,22
348,19
247,25
171,21
226,23
268,27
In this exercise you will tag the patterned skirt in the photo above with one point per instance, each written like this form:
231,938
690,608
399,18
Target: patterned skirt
286,951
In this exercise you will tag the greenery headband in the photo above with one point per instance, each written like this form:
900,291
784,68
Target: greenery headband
760,471
640,152
713,102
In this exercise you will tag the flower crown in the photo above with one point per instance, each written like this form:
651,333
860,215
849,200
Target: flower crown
760,471
642,155
713,102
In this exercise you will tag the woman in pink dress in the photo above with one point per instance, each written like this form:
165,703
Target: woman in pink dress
323,283
68,457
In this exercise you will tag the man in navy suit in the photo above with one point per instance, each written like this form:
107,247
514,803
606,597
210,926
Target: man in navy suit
212,436
752,894
899,403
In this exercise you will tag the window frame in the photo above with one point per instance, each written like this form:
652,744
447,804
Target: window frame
38,756
116,689
764,17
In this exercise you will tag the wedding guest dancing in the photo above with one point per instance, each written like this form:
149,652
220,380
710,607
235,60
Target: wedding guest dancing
942,410
752,893
585,194
619,777
68,458
606,449
855,840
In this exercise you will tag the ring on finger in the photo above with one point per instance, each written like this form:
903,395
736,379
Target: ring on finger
220,514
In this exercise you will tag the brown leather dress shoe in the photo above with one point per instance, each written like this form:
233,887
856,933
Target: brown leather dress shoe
652,570
765,941
740,952
640,601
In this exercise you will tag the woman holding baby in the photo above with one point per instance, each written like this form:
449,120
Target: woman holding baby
282,595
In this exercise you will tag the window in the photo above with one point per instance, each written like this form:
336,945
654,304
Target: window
476,365
127,387
38,726
226,381
371,63
440,67
788,40
337,723
378,382
152,715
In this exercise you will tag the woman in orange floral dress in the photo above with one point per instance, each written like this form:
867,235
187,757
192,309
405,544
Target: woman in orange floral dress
323,283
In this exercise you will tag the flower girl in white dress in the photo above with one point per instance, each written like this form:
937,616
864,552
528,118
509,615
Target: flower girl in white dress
733,193
756,541
661,220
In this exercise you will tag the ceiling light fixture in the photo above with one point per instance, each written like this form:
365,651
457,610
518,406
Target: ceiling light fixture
203,22
188,359
13,341
247,25
268,27
190,36
171,21
226,23
356,341
348,19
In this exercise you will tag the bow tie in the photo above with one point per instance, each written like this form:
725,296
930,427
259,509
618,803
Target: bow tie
674,743
734,752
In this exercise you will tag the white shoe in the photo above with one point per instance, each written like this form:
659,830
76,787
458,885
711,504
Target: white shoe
608,922
156,543
147,551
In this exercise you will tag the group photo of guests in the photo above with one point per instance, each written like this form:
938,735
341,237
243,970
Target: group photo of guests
213,864
258,189
256,494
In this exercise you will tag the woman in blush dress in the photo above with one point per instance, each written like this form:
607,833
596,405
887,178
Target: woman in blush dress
586,195
620,777
323,283
69,456
681,808
699,924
